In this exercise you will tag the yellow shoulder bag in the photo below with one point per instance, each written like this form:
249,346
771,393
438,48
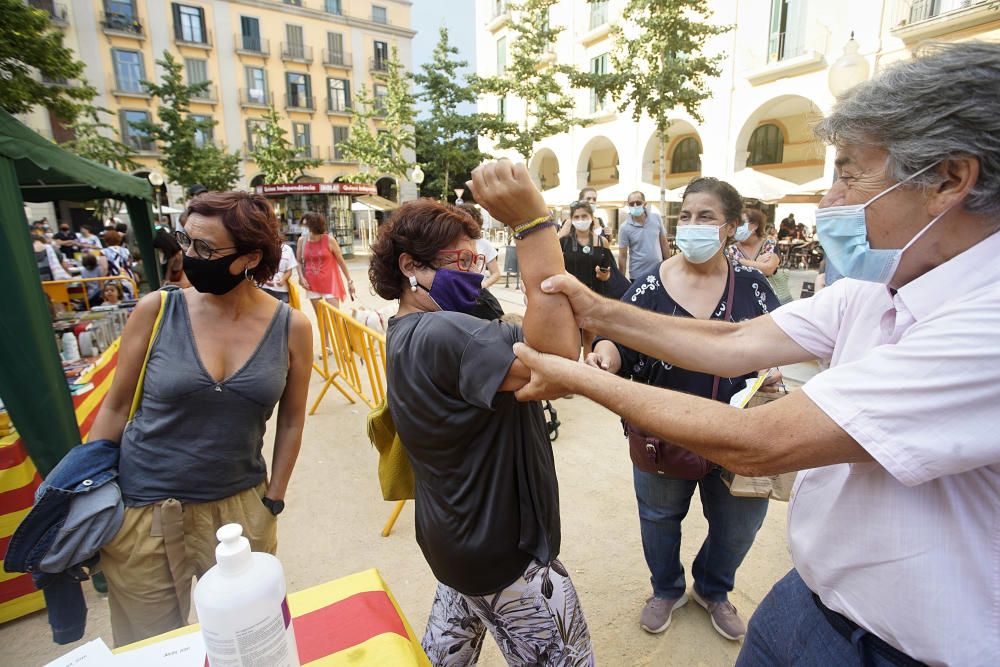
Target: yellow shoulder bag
395,474
137,396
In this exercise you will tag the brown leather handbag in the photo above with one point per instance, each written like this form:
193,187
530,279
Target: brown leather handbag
661,457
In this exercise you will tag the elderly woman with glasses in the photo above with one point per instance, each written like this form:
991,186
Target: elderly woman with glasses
487,501
224,355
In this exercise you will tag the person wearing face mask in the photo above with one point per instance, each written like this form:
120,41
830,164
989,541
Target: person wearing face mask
224,355
586,254
751,249
642,240
487,503
895,511
66,241
588,195
700,283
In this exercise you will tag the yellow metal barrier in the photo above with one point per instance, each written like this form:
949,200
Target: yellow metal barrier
352,343
59,291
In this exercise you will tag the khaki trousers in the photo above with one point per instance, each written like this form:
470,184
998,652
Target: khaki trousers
151,562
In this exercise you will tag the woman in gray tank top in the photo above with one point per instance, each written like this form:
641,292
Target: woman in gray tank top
224,355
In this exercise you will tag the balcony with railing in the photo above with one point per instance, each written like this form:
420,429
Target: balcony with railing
916,20
336,154
122,25
58,13
499,16
199,39
252,45
337,59
338,105
598,26
254,98
299,53
209,95
307,152
378,65
299,103
128,87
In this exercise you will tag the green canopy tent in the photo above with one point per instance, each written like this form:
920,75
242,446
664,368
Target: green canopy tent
32,384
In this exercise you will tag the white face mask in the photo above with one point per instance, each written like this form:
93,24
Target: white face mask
582,225
698,243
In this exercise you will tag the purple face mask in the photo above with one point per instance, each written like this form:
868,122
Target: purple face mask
456,291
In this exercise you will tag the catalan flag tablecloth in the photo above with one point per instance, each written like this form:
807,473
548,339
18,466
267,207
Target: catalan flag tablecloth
19,479
353,620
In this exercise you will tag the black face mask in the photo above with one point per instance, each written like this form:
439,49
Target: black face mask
212,276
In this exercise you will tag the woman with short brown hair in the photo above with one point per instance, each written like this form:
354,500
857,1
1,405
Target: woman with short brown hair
224,355
486,496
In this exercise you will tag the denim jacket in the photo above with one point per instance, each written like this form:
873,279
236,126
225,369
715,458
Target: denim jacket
85,468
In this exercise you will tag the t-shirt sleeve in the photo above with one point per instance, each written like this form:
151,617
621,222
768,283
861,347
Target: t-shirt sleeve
486,359
814,323
490,251
623,237
926,406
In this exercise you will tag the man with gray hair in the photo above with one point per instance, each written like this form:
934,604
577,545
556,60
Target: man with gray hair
894,527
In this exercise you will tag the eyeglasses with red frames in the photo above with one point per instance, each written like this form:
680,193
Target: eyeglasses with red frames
465,259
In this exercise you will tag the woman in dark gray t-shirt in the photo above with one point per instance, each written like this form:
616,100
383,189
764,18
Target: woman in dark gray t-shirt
487,500
225,354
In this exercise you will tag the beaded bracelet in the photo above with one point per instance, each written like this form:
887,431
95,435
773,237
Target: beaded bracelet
534,228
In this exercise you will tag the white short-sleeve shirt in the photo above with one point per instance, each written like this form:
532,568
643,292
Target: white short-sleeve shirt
287,263
485,248
908,547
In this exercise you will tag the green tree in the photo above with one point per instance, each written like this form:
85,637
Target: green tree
184,161
29,44
96,140
661,67
381,151
533,77
446,140
278,160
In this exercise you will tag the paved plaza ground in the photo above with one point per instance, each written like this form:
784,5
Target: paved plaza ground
335,513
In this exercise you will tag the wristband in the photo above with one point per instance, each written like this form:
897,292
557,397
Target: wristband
534,228
520,229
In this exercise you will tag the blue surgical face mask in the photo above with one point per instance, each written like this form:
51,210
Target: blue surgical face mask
843,233
742,232
636,211
698,243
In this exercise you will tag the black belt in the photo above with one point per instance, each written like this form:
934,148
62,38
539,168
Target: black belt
867,645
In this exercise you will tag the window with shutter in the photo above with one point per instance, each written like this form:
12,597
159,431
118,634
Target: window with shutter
189,24
335,47
295,41
250,32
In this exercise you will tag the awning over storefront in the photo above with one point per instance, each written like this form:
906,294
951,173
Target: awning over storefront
377,203
32,384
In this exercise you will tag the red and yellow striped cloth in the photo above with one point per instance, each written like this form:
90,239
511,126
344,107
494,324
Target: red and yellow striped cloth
353,621
19,479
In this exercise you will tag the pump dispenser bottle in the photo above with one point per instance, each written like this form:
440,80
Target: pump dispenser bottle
242,607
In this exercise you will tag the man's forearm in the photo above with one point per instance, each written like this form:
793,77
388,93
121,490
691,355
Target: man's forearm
704,346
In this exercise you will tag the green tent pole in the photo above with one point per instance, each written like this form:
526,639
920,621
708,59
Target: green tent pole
32,382
142,225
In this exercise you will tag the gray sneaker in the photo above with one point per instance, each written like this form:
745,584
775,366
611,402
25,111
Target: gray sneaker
725,619
656,614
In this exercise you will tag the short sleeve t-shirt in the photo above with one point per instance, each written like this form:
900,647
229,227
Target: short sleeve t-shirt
487,500
643,243
486,249
286,264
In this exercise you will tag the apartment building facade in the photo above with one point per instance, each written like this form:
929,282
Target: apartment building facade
308,58
774,85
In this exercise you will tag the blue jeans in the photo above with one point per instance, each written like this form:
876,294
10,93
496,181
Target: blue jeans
789,629
732,526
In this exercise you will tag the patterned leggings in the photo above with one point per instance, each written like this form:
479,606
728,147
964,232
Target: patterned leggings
537,620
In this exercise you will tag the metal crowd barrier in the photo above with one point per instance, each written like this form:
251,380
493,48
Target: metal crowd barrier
348,346
62,291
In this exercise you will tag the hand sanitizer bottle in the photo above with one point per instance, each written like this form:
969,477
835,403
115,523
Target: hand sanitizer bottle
242,607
